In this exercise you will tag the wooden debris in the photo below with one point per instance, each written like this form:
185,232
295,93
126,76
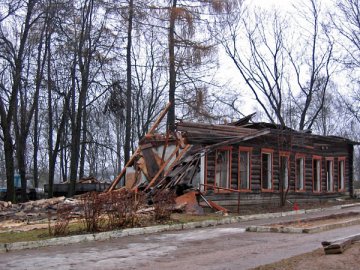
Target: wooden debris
136,153
162,168
217,207
189,203
338,246
148,154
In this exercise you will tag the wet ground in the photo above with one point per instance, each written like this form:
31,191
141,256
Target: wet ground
222,247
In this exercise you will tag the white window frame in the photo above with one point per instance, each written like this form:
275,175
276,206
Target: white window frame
300,178
329,174
269,175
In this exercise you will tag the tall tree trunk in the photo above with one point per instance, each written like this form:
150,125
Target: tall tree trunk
118,144
128,122
172,68
84,57
8,117
9,165
83,145
50,126
36,147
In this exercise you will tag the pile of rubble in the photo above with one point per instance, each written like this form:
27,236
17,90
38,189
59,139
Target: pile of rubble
32,211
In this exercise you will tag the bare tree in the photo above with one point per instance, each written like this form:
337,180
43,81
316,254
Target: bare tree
13,57
346,20
316,67
269,62
262,66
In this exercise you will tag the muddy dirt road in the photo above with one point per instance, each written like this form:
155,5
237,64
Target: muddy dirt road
223,247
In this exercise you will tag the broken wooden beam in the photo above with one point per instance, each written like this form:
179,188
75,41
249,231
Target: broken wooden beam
149,159
162,167
217,207
238,139
136,153
123,171
338,246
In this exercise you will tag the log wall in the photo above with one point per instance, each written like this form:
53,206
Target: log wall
291,145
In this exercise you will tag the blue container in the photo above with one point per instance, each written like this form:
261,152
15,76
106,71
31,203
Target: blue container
17,180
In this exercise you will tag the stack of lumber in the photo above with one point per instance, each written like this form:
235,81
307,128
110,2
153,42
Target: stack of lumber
339,245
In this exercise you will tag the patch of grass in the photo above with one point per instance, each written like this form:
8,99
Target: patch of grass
78,228
11,237
37,234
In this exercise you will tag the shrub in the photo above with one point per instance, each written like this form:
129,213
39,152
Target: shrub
63,216
163,204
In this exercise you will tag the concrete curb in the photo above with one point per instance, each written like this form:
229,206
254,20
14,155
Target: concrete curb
315,229
6,247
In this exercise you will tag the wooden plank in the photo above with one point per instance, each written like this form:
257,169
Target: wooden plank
238,139
162,168
137,151
176,160
217,207
158,120
186,126
123,171
339,245
353,237
150,161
